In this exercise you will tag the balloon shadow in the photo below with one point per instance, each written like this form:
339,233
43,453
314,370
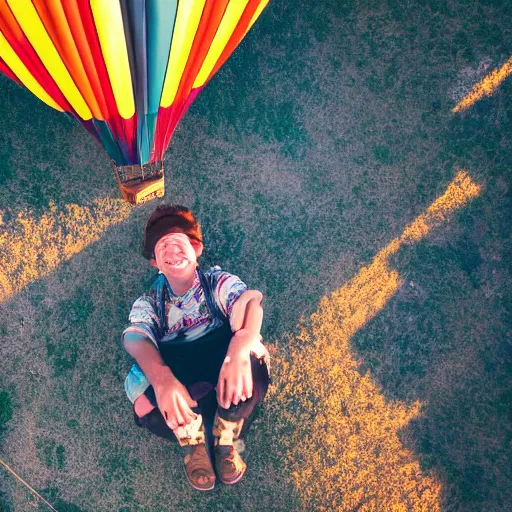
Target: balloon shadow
443,339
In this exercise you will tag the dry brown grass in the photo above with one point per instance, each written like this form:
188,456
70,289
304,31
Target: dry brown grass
33,247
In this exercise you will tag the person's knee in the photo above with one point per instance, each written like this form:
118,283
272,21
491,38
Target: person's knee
260,381
155,423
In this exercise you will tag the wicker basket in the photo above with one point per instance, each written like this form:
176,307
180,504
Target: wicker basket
140,183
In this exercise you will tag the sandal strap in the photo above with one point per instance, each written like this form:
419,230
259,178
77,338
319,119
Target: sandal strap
230,465
226,432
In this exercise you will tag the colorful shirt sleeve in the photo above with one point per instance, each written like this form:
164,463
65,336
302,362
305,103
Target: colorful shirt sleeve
228,288
144,323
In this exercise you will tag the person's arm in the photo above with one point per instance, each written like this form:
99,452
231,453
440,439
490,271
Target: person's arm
235,378
149,359
238,315
140,341
172,396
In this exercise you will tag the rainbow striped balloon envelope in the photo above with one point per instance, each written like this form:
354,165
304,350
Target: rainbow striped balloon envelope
126,69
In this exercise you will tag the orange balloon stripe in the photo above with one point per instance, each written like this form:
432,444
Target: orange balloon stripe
52,15
8,23
94,48
23,49
77,29
50,24
237,36
198,40
208,25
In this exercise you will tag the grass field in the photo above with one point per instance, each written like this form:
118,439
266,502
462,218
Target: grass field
332,170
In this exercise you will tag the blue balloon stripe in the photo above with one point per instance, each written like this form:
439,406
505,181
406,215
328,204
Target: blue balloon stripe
134,19
144,139
111,146
161,16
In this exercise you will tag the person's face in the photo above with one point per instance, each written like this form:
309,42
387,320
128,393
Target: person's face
176,254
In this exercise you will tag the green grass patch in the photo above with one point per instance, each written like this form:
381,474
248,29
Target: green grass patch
50,453
6,409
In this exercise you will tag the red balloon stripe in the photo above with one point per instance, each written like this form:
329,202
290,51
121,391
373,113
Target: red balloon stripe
79,34
208,25
237,36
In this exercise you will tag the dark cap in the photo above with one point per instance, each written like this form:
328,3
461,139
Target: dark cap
168,219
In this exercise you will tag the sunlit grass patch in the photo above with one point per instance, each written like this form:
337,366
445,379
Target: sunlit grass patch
31,247
460,190
485,87
343,440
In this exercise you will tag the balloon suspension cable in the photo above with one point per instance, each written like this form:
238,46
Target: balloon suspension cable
31,489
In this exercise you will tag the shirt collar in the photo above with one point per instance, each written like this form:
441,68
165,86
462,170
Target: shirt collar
189,292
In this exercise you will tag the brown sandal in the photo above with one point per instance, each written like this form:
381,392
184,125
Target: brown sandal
230,466
198,468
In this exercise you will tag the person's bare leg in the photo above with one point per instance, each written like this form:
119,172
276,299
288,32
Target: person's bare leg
142,406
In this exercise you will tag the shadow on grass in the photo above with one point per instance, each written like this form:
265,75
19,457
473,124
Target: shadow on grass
444,339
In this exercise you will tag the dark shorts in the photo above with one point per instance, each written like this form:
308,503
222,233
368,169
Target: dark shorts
205,395
198,360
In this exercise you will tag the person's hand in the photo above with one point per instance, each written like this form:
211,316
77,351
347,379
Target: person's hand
235,377
174,401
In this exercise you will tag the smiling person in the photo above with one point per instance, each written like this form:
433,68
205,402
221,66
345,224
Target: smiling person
195,337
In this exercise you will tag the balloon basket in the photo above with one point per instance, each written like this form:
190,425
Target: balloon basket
140,183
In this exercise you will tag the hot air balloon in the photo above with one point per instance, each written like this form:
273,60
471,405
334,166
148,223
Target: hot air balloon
127,70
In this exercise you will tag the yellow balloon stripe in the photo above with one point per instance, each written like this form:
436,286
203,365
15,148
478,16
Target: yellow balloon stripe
109,25
18,68
185,28
257,14
228,24
27,17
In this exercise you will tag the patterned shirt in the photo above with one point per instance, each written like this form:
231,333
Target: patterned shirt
185,314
